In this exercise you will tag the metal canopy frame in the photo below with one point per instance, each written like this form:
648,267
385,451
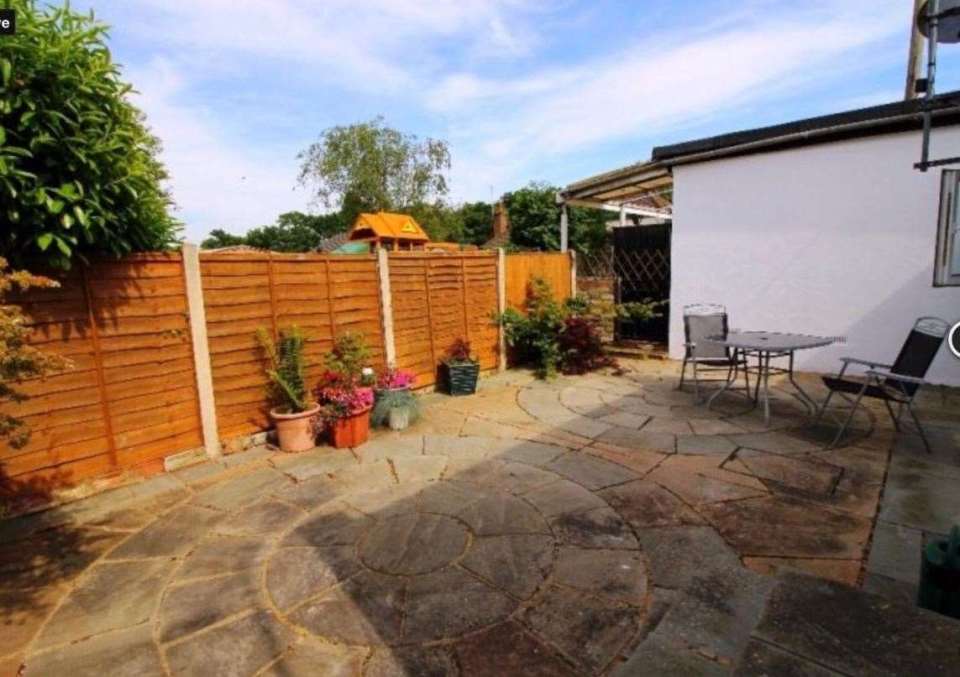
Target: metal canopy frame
643,189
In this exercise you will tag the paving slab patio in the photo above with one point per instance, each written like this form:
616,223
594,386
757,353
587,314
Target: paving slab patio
600,524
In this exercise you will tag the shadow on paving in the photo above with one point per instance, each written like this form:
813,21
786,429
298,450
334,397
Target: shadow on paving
441,554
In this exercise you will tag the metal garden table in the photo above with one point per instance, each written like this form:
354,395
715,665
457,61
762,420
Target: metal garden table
766,346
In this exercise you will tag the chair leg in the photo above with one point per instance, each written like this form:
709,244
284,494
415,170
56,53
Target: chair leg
696,382
746,375
853,410
893,417
822,409
683,372
923,435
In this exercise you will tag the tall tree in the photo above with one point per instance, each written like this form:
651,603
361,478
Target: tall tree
477,220
221,238
369,166
535,220
79,171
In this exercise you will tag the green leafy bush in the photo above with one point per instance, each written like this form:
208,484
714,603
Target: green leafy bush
640,311
78,168
394,399
285,367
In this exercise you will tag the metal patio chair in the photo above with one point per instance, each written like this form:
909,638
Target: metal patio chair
895,383
702,320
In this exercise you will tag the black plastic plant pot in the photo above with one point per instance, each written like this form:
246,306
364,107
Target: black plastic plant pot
460,378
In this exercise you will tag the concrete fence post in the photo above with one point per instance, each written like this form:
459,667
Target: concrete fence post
201,349
501,305
573,273
386,304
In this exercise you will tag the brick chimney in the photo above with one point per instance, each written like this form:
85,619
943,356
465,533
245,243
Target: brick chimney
501,222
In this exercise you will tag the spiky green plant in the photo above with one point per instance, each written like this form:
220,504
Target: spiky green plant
285,367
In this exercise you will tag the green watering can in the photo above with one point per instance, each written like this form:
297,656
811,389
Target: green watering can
940,575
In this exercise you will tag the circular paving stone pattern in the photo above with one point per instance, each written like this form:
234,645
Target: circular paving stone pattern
435,563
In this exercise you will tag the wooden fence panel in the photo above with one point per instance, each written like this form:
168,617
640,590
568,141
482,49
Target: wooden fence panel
131,398
323,295
438,298
554,267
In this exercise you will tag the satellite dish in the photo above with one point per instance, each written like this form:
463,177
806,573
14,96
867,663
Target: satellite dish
948,23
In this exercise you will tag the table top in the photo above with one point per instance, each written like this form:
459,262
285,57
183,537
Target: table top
771,341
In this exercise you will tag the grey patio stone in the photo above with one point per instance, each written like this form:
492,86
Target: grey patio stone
409,661
508,649
332,524
589,631
534,453
448,497
825,622
171,535
112,596
309,493
625,419
388,501
198,473
499,514
367,609
322,462
777,442
668,424
761,660
921,501
517,564
805,475
590,471
895,552
414,543
390,445
645,504
891,588
251,455
705,445
563,496
241,647
716,612
419,468
296,574
595,528
450,603
655,658
129,652
264,517
678,554
640,439
617,574
219,554
194,605
240,491
312,657
905,465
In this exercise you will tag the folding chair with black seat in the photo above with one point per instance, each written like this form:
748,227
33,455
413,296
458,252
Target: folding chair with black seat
895,383
702,321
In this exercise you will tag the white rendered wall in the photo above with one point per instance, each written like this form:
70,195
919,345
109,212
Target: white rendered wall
836,239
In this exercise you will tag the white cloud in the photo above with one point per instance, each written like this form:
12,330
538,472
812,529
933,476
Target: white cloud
217,181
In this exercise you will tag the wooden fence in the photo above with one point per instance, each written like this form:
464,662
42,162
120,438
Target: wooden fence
133,399
555,267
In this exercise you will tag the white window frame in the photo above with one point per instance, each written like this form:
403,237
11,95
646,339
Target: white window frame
948,230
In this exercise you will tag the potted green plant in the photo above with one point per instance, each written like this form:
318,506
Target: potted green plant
395,406
293,413
345,399
459,369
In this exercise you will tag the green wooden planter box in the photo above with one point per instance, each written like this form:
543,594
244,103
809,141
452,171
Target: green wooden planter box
460,378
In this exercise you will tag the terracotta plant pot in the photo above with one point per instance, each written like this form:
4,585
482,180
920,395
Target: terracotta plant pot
350,431
296,432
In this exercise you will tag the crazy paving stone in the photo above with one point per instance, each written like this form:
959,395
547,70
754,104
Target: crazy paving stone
645,504
517,564
194,605
296,574
617,574
595,528
507,649
241,647
450,603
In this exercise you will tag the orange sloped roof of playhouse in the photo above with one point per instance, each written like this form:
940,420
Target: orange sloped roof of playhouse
387,225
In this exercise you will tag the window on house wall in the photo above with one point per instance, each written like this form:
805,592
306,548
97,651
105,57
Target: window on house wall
947,266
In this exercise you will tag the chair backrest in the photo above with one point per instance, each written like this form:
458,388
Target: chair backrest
918,352
701,320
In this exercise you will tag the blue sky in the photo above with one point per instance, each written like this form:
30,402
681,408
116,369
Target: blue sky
522,90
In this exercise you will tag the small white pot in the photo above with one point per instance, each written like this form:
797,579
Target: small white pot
399,418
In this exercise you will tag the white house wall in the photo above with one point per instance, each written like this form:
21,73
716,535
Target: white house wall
835,239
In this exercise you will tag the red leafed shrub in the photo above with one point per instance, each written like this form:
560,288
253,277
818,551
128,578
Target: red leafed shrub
581,349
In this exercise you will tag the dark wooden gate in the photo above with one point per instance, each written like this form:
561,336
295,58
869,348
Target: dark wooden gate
641,263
